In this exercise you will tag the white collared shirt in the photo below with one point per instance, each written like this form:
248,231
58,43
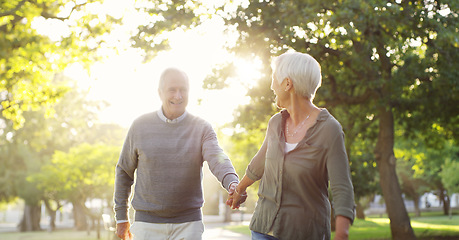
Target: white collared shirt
167,120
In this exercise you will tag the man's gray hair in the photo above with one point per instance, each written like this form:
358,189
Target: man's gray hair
162,79
302,69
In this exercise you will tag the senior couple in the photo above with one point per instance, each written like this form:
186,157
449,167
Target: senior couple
302,153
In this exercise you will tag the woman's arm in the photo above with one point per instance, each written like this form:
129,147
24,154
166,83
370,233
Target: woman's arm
238,194
342,227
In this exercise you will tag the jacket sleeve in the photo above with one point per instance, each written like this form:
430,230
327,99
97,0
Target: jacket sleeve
340,178
256,167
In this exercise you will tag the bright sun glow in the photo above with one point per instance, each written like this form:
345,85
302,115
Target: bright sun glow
130,86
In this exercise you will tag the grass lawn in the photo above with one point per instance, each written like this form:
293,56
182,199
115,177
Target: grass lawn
430,226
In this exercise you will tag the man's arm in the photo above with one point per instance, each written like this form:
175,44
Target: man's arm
219,164
124,177
254,172
123,184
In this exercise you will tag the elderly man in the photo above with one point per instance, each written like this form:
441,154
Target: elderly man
164,152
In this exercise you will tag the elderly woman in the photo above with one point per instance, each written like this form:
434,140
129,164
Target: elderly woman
303,150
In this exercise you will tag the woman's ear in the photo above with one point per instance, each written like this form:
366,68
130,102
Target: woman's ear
288,84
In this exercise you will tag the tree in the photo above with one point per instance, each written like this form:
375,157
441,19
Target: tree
411,181
32,50
26,150
394,60
450,177
84,172
424,154
38,40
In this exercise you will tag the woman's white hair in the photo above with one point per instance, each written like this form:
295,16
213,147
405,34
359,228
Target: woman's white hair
302,69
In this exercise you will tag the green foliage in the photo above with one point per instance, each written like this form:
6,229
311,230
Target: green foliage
243,146
30,54
450,168
425,157
27,149
84,172
161,18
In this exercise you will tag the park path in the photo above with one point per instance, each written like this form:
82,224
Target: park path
216,231
214,228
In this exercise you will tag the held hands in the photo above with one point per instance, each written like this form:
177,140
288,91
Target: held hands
123,232
235,198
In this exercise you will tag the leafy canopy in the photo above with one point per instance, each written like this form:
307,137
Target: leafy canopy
37,40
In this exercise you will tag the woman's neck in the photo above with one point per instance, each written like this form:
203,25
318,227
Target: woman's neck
300,109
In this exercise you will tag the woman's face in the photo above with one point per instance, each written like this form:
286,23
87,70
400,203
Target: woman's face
281,95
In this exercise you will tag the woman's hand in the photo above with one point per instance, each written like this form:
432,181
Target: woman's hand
235,198
342,228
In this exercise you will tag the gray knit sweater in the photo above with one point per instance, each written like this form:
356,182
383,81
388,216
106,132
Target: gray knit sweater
166,162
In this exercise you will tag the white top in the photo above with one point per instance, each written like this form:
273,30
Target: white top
289,146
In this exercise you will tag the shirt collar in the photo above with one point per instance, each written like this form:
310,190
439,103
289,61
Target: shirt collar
323,115
172,121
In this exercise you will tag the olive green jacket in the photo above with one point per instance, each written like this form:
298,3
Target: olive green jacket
293,195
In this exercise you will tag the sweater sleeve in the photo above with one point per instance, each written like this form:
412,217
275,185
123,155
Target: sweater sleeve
340,179
124,177
219,164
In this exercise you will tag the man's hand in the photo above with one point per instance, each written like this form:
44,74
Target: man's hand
123,232
235,198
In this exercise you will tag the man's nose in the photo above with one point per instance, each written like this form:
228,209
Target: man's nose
178,95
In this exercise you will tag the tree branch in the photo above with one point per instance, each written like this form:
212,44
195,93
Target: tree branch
48,15
16,19
12,11
341,97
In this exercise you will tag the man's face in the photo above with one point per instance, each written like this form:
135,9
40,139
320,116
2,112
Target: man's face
174,94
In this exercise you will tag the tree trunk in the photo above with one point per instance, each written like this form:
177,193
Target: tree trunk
31,218
52,214
360,211
384,154
444,199
98,228
417,210
79,216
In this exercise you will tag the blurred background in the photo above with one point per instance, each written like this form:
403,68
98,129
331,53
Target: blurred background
74,74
